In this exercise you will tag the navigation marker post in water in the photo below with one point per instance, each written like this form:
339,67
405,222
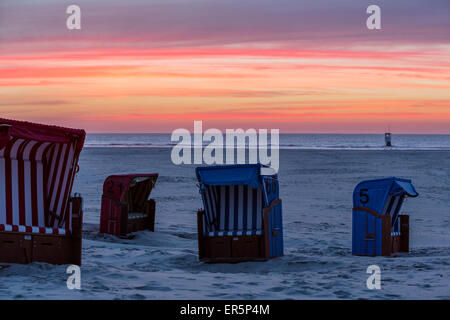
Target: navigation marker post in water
387,139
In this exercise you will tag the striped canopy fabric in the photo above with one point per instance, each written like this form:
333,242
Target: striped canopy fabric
392,207
232,210
138,193
36,176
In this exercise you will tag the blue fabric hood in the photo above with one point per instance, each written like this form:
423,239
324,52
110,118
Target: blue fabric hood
407,187
245,174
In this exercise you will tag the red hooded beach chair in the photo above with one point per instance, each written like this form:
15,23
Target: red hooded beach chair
126,206
39,220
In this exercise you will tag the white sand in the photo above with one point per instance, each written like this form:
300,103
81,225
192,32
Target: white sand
316,188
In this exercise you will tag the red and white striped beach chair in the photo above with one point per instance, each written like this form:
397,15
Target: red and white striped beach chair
39,220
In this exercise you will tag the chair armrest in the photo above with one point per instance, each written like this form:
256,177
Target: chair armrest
200,235
77,215
271,205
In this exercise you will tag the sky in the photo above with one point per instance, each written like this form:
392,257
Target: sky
158,65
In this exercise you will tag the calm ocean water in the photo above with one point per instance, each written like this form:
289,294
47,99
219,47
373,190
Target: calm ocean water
289,141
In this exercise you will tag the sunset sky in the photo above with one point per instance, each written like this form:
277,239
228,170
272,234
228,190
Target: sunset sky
157,65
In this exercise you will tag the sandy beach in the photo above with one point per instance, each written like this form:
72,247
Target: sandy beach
316,189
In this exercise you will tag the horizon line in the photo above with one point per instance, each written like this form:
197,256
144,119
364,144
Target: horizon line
317,133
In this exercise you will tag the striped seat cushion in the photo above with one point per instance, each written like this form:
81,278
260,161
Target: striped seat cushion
233,210
137,215
30,229
234,233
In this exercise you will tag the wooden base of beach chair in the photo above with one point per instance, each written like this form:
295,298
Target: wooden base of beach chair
231,248
25,247
29,247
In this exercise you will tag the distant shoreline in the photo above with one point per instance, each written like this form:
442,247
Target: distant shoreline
285,141
291,148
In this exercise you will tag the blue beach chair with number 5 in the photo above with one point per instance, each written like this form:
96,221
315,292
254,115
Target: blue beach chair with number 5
378,227
241,219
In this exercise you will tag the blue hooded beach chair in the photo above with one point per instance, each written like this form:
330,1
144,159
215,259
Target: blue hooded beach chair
378,227
242,216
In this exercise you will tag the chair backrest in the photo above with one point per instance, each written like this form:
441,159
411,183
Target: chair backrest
234,196
22,183
134,189
138,193
392,207
62,169
233,208
37,169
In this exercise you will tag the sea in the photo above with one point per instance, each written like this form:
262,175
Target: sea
286,141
